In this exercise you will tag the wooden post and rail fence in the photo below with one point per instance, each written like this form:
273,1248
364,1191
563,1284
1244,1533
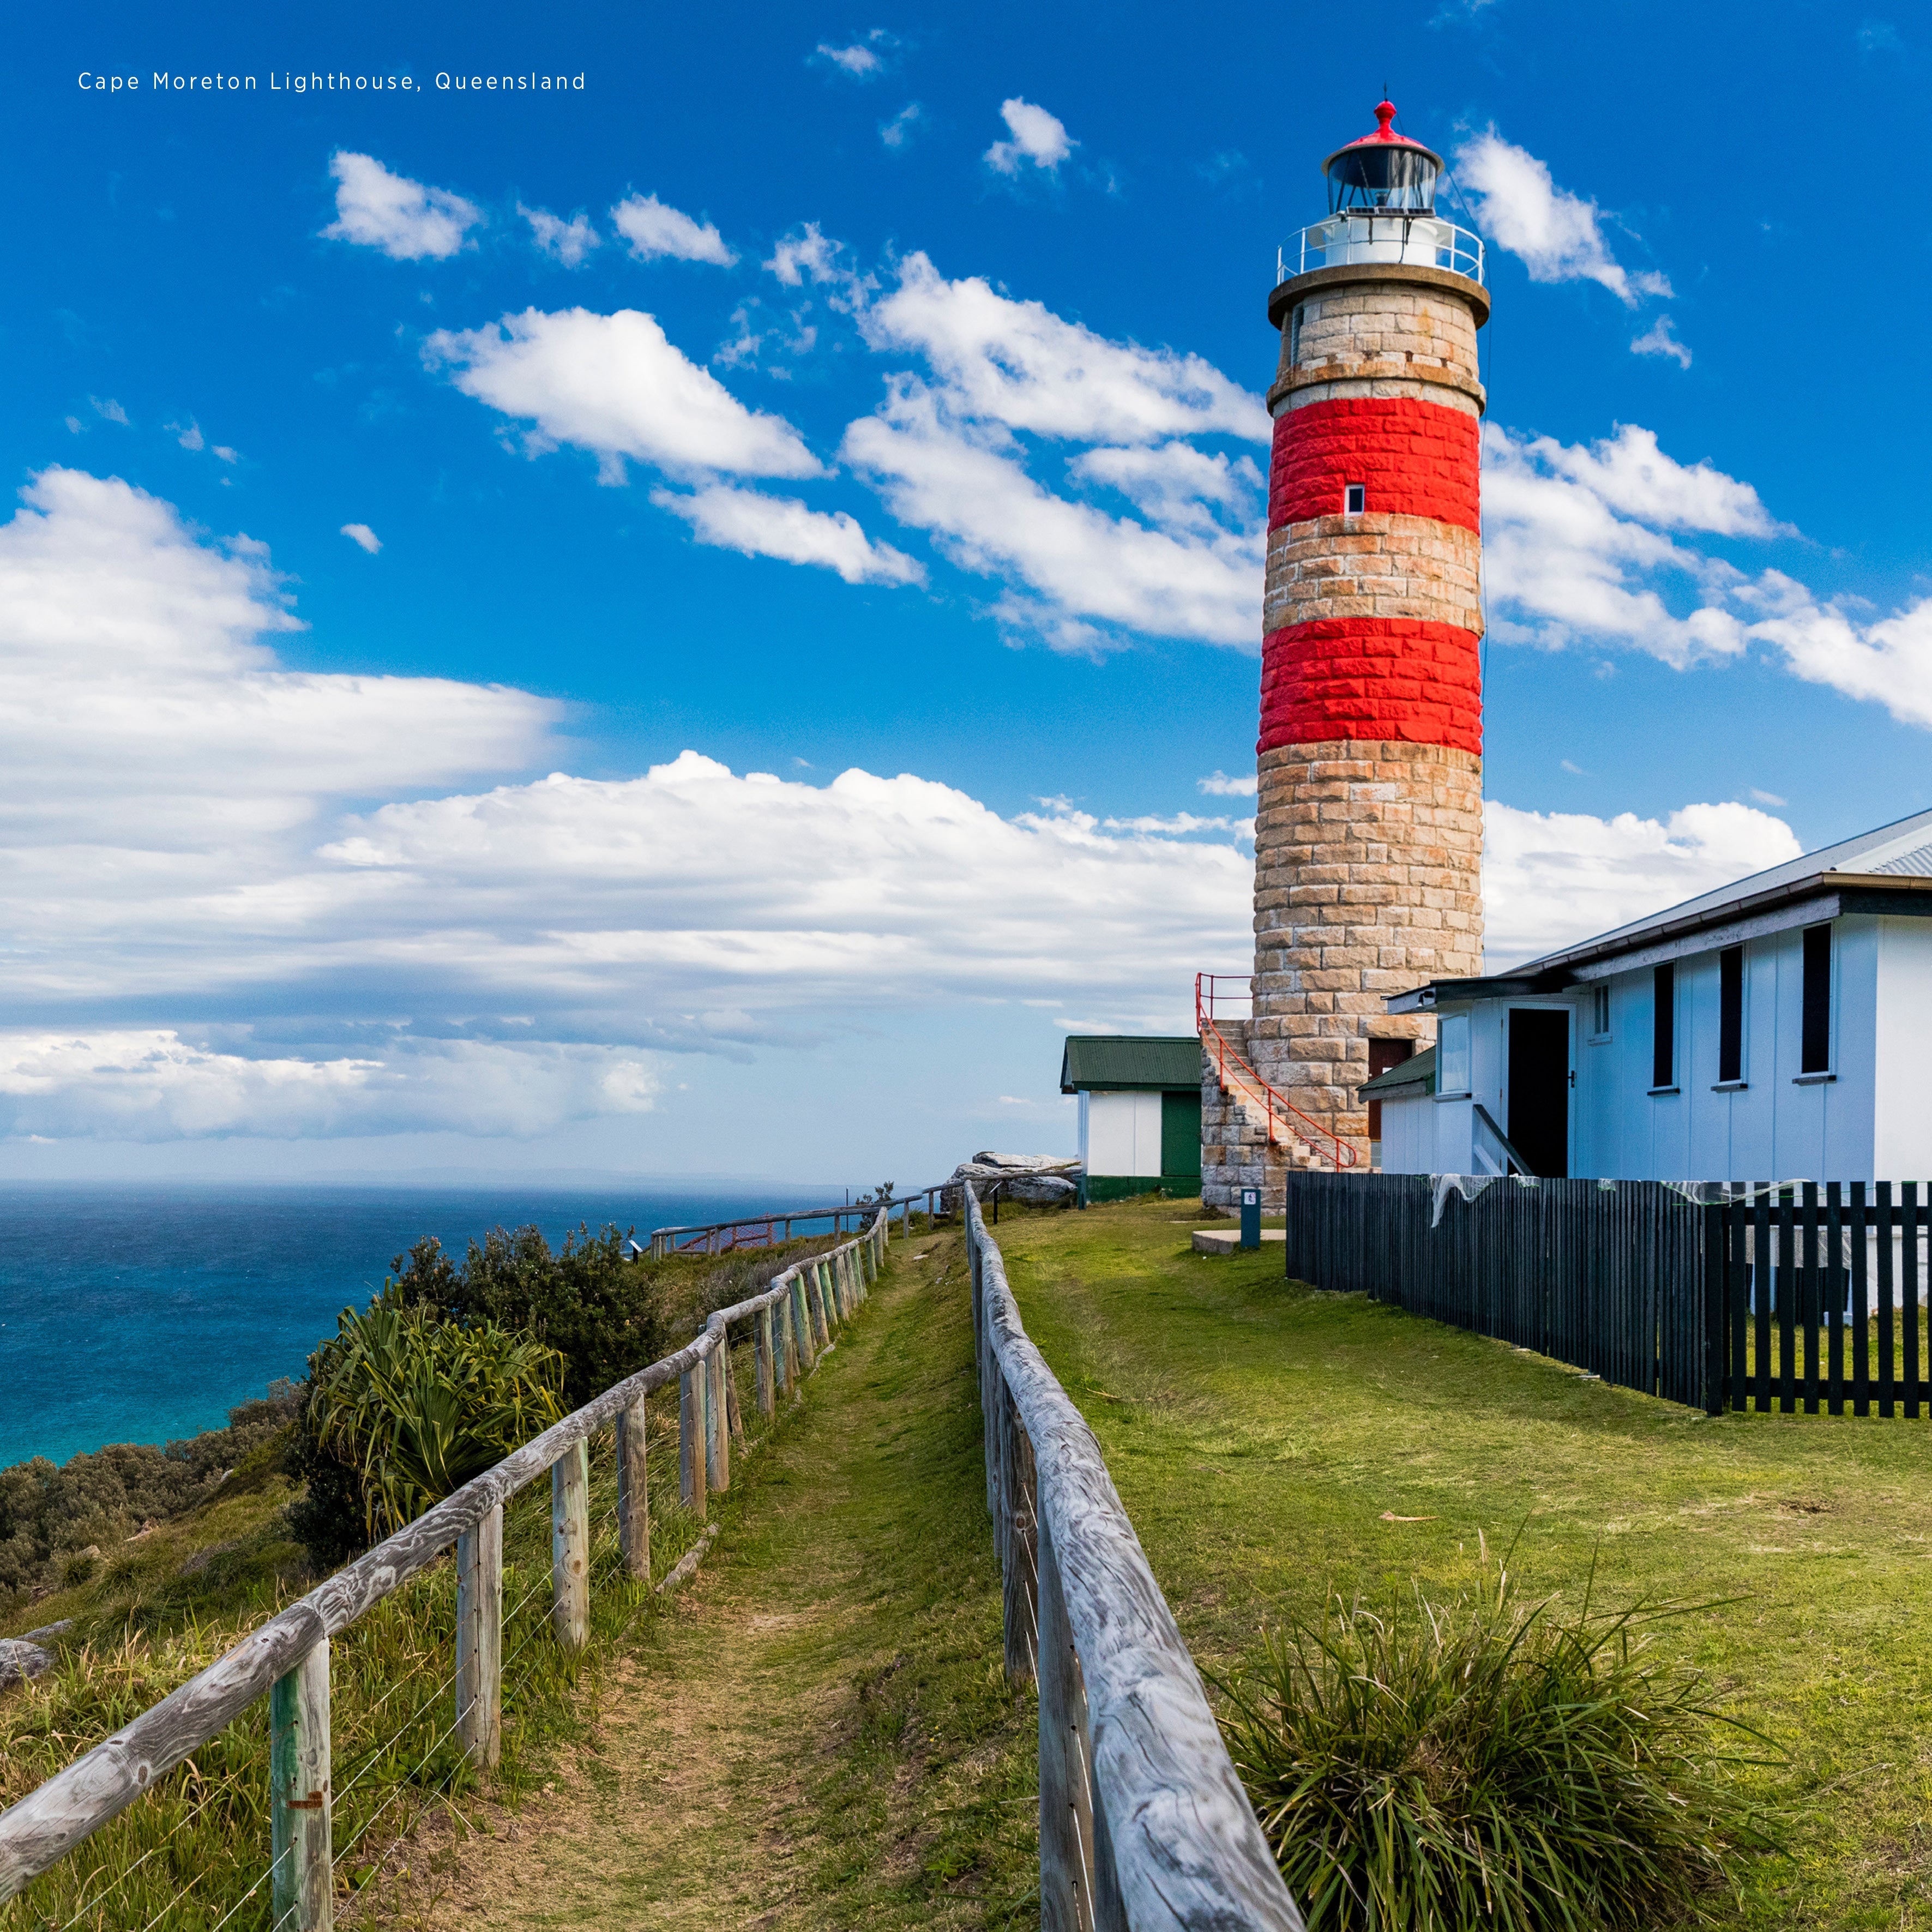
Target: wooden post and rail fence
1143,1824
791,1324
767,1231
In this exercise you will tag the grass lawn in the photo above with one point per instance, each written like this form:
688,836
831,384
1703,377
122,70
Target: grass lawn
1273,1444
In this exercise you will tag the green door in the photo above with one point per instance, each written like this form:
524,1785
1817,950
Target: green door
1181,1136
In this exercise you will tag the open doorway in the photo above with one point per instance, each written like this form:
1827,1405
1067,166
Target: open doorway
1539,1088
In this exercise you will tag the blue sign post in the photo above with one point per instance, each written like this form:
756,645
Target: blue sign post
1251,1217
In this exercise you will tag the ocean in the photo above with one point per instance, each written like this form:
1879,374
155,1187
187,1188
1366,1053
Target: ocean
144,1314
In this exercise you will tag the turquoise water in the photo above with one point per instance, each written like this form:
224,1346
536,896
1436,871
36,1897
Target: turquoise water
142,1315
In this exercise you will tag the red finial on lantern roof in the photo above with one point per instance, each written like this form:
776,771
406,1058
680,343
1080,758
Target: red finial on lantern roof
1385,114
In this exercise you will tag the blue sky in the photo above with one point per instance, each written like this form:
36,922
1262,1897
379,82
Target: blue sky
820,395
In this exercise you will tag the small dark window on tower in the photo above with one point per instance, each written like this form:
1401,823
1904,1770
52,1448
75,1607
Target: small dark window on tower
1355,499
1599,1010
1731,1014
1294,332
1663,1027
1815,1048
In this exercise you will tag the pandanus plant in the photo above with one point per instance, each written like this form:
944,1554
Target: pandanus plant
417,1406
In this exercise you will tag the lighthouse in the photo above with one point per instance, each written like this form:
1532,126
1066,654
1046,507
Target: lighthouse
1368,830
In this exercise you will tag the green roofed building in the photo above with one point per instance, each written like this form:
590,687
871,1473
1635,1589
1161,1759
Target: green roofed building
1140,1111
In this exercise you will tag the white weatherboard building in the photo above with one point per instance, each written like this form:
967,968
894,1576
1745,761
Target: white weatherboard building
1778,1029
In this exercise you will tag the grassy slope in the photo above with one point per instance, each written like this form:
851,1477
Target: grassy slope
1262,1436
820,1732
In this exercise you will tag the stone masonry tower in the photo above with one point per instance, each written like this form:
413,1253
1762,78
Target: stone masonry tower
1368,839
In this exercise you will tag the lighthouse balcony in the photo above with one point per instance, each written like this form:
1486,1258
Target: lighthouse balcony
1359,236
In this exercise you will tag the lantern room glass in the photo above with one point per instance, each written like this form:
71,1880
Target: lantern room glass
1375,174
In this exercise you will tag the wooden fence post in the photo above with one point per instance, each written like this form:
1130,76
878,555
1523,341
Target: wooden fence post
821,1322
479,1639
1021,1577
300,1800
1066,1801
784,1367
729,1370
801,1319
717,1420
690,1405
763,1339
633,1494
570,1545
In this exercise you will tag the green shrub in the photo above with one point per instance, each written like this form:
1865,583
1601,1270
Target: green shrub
603,1313
413,1407
105,1496
1487,1764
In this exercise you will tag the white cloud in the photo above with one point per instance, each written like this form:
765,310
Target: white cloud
1660,339
969,490
1038,136
1551,879
749,521
363,536
1019,364
1887,661
408,221
566,241
615,386
1218,784
900,129
1558,235
109,410
1630,472
188,435
862,59
655,228
1175,486
152,1084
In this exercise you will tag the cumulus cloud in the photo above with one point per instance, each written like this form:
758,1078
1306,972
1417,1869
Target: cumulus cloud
408,221
1660,339
566,241
1218,784
654,228
363,537
1550,879
1559,236
1887,661
153,1084
862,59
967,486
1019,364
749,521
897,132
1174,485
109,410
1575,548
615,386
1038,137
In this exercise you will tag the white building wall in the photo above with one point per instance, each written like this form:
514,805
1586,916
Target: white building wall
1872,1120
1121,1133
1902,1085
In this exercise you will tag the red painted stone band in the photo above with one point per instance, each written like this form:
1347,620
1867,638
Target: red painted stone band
1389,678
1413,459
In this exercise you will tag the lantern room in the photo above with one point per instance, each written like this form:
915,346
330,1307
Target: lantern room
1384,170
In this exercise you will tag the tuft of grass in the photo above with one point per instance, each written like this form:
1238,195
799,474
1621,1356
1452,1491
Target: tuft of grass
1489,1762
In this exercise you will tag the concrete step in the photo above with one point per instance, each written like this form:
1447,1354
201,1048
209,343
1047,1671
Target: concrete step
1228,1241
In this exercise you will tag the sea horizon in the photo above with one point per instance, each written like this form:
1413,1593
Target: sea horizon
134,1311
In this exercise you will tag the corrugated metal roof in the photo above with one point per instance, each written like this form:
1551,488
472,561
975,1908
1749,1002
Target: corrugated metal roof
1898,851
1143,1062
1418,1070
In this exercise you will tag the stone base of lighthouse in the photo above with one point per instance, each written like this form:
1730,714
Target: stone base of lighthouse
1368,882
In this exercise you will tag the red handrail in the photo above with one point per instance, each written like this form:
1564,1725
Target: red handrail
1274,1103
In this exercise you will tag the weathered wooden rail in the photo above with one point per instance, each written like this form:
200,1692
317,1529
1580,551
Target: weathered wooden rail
791,1324
1143,1825
769,1231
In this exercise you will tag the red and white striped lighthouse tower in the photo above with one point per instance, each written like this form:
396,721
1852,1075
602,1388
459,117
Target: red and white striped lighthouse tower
1368,840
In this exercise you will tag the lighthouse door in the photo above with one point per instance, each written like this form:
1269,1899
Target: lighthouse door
1539,1087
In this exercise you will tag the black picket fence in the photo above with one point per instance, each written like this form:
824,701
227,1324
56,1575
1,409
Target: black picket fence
1636,1283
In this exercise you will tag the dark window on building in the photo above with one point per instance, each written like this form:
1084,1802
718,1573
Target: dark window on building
1599,1010
1815,1049
1294,332
1384,1054
1663,1027
1355,499
1731,1013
